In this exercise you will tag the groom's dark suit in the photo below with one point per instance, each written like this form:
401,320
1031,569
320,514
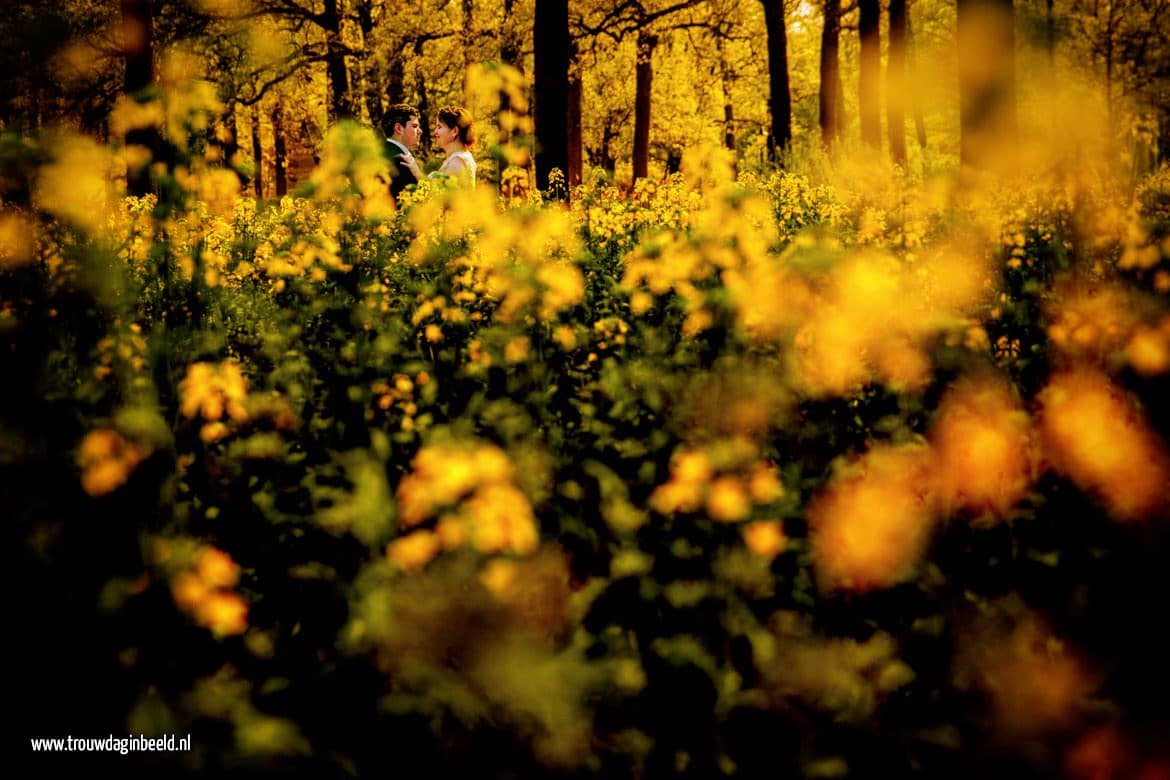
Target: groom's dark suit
400,175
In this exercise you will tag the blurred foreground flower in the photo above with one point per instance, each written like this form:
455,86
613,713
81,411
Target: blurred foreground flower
204,591
871,524
1097,437
983,449
471,488
107,459
208,390
1035,683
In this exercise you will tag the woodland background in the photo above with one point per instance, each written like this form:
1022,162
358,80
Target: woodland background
621,86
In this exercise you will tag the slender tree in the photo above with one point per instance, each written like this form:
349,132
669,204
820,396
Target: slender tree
551,50
618,19
257,154
138,49
832,98
779,96
869,97
896,83
573,119
913,98
280,152
987,110
643,75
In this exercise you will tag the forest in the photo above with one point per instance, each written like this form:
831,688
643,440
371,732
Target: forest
784,396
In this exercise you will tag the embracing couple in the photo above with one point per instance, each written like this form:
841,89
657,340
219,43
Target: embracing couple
453,133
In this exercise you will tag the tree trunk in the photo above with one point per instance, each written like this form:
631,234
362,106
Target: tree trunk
643,83
987,110
138,43
912,95
257,154
340,105
510,53
869,97
605,154
779,98
280,152
395,83
896,82
231,145
372,85
1050,32
726,85
832,98
550,93
573,121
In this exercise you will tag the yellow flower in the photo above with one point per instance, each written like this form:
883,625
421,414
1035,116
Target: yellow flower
76,185
499,576
870,525
1148,351
765,538
983,449
675,497
517,349
107,460
764,484
692,467
216,568
727,500
203,592
414,551
17,241
210,389
501,519
223,612
1094,434
189,591
564,286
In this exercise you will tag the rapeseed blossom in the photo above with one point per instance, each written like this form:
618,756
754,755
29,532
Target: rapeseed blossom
107,459
1094,434
870,525
469,490
984,456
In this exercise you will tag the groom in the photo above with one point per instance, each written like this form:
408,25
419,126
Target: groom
404,132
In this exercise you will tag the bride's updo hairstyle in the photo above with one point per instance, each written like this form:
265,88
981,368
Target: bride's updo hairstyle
460,119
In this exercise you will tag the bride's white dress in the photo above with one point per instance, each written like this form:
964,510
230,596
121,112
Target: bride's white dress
461,167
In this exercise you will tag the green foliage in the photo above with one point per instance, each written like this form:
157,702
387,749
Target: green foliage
532,489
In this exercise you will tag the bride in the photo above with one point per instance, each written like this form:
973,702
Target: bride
454,134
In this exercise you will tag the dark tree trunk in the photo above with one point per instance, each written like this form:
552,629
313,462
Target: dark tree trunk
643,83
231,145
280,152
510,53
372,84
340,105
869,97
395,83
257,154
913,97
896,82
138,40
832,97
573,121
987,110
605,153
779,97
1050,32
551,44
